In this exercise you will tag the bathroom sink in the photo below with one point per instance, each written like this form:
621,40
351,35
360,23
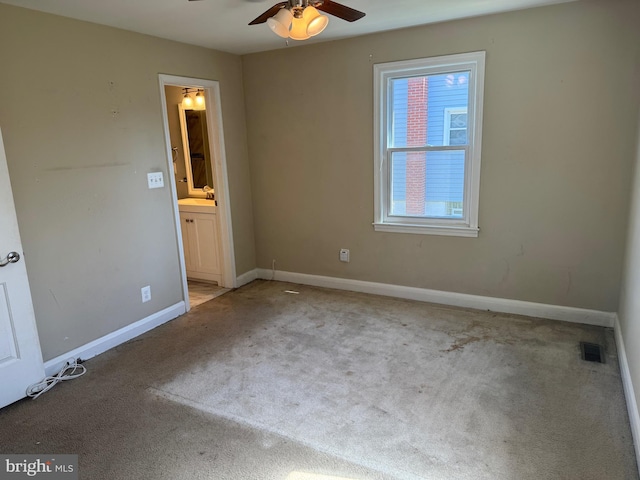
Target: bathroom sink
196,201
202,205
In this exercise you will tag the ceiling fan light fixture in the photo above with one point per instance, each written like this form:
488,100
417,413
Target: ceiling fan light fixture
316,22
281,22
300,19
299,29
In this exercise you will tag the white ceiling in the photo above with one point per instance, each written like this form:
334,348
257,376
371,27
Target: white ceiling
222,24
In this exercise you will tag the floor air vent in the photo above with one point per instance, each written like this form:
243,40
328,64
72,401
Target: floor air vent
592,352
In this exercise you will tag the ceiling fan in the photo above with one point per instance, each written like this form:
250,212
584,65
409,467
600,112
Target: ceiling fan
301,19
333,8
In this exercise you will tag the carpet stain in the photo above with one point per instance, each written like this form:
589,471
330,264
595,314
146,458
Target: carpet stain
459,344
476,332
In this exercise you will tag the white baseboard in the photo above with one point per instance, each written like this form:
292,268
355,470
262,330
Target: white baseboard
629,391
518,307
116,338
246,277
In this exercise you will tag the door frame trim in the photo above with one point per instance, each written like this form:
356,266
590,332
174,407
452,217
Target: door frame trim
220,176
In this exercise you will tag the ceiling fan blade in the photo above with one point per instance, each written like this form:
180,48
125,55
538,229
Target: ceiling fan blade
269,13
340,11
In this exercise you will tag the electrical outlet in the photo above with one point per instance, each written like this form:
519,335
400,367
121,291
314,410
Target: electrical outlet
155,180
344,255
146,294
70,361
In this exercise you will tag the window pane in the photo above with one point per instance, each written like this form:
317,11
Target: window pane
459,120
427,184
458,137
417,108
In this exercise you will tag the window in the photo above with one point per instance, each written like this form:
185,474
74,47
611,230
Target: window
428,124
455,126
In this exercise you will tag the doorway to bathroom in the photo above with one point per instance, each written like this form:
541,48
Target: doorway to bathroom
198,180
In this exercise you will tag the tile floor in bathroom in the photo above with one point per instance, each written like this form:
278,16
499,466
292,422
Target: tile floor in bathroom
200,292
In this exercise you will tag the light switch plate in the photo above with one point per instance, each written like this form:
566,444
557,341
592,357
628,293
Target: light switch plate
155,180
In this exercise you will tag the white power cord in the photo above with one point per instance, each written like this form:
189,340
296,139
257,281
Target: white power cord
71,369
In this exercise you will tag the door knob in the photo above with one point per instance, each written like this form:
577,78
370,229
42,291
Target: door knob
12,257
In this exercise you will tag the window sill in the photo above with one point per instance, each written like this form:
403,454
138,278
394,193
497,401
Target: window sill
427,230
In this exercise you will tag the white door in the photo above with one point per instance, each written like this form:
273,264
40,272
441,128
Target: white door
20,355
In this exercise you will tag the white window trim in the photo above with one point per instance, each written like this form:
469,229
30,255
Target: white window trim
383,72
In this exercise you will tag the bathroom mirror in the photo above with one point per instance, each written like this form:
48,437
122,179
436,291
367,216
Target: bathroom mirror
197,157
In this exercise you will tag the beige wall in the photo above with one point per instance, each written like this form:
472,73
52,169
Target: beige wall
561,99
629,308
81,117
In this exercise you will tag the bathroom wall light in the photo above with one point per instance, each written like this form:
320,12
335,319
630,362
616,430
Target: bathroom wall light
200,100
191,103
187,101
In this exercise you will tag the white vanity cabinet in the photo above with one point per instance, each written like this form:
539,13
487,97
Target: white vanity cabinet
200,239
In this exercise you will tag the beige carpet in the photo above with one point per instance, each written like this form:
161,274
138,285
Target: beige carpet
258,384
415,391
